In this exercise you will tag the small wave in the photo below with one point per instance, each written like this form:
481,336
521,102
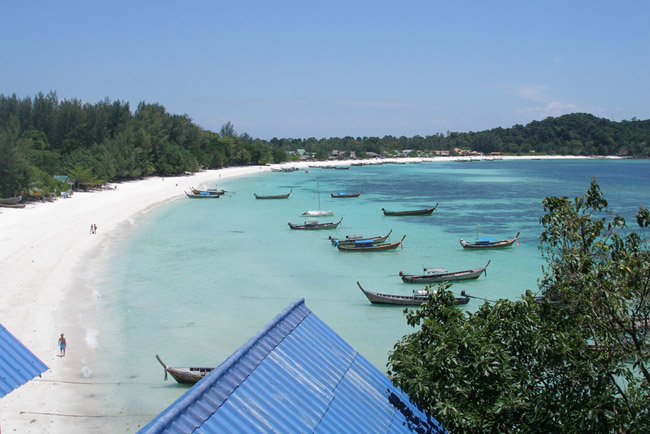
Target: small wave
91,337
86,372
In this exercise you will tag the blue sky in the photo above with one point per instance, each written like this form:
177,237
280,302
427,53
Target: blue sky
338,68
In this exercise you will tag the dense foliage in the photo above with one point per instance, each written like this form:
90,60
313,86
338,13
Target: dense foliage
576,134
575,362
94,143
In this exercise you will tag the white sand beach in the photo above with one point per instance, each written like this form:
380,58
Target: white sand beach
45,289
44,247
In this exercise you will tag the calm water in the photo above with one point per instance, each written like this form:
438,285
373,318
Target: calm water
194,280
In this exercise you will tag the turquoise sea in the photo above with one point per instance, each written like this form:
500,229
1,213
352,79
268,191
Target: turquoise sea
193,280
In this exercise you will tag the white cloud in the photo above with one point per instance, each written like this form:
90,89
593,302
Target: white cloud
533,93
554,109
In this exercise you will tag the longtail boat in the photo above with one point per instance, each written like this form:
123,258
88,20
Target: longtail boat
314,225
202,195
15,205
442,275
11,200
189,375
425,211
369,246
489,243
342,194
352,239
417,299
276,196
212,191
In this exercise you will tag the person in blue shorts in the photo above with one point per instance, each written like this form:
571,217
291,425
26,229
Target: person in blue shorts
62,345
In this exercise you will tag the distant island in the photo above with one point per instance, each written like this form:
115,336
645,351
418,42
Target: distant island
51,145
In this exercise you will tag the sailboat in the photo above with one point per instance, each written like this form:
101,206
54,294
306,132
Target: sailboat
318,212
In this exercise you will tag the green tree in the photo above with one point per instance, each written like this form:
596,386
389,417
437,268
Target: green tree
84,177
228,130
575,362
599,272
14,170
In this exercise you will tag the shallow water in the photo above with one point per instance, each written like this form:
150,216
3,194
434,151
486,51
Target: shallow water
195,279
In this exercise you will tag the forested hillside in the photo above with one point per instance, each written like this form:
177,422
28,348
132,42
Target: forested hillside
106,141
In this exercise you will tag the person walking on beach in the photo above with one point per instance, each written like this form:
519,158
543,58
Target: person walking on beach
91,228
62,345
94,228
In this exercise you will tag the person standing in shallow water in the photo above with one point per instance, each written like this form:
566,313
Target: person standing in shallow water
62,345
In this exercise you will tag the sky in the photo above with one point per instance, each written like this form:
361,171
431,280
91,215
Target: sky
302,69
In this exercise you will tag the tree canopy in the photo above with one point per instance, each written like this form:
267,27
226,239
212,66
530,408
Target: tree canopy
575,360
95,143
45,136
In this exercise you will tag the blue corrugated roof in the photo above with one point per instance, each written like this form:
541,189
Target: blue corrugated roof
294,375
17,364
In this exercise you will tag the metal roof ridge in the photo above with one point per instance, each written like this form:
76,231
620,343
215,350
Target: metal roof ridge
298,310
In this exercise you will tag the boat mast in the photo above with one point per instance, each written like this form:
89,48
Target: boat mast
318,189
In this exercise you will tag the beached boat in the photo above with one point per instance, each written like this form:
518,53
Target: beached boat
202,195
442,275
426,211
11,200
346,194
369,246
276,196
352,239
189,375
314,225
489,243
418,298
208,191
15,205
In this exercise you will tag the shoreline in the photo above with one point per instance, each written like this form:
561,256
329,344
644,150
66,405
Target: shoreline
48,263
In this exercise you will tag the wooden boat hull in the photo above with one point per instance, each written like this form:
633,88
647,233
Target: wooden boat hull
11,200
489,245
444,277
402,300
316,226
370,246
15,205
202,196
343,195
277,196
209,191
426,211
189,375
352,241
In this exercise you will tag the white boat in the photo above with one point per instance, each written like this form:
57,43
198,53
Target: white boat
318,212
